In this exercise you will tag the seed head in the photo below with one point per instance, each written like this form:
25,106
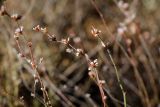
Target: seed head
102,82
37,28
65,41
93,64
33,65
52,37
19,31
3,11
16,17
79,52
95,32
44,30
122,5
21,55
40,60
69,50
29,44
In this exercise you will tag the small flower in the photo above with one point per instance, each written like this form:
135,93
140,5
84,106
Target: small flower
77,40
44,30
37,28
33,65
43,89
69,50
95,32
35,79
3,11
122,5
32,94
19,31
90,68
21,55
52,37
93,64
102,82
21,98
16,17
29,44
40,60
65,41
79,51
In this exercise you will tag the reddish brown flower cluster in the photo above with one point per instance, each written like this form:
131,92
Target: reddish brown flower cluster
40,29
95,32
37,28
93,64
16,17
65,41
44,30
79,52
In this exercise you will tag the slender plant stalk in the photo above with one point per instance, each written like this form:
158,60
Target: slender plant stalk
118,78
116,71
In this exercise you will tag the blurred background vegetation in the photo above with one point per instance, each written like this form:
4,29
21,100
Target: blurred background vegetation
69,74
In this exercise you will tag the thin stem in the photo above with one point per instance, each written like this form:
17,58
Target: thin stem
32,58
107,28
100,88
116,71
118,78
18,45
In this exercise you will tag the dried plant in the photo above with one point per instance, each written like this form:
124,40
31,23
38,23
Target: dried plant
123,67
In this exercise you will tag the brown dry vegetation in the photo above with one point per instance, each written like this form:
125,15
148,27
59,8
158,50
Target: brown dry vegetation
135,53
